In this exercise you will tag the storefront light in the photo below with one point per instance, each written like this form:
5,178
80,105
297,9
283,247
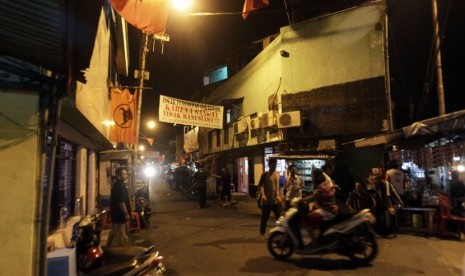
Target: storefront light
461,168
456,158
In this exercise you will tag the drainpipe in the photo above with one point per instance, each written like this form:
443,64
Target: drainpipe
52,128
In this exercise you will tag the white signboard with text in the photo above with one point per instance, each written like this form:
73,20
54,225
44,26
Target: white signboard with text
177,111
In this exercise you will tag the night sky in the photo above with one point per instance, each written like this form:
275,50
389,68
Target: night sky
200,43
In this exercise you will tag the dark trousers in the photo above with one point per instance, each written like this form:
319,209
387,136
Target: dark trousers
202,197
226,193
386,222
266,210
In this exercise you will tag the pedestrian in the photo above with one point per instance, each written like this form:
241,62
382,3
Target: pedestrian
271,197
388,202
200,182
119,210
226,187
293,185
457,193
359,199
396,177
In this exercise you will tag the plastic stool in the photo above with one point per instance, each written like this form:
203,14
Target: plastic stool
134,224
106,220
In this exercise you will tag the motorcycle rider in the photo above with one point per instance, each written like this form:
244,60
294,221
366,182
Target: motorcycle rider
323,208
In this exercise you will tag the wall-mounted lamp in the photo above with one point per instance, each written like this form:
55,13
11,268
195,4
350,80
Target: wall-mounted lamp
284,53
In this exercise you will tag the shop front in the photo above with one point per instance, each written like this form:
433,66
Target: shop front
430,152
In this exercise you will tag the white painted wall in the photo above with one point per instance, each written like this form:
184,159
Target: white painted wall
337,49
81,179
332,50
20,183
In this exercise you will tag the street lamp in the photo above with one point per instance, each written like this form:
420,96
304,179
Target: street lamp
151,124
181,5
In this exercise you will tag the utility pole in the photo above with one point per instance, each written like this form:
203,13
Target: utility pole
142,75
437,45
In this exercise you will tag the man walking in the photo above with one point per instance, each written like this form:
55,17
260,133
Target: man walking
119,210
271,197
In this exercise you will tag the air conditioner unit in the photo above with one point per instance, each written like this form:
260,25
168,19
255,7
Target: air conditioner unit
240,126
254,123
289,119
268,119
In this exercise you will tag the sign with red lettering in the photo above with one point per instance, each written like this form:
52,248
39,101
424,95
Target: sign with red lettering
172,110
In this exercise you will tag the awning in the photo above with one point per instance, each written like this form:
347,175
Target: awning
306,154
448,123
35,31
204,159
302,157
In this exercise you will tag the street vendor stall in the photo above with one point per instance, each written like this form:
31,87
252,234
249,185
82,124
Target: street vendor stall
430,151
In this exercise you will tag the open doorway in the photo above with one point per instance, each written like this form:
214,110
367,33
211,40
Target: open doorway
242,165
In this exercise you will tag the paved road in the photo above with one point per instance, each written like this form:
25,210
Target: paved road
222,241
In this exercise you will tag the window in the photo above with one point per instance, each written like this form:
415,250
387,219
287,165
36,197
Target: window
226,135
216,75
228,115
64,183
218,138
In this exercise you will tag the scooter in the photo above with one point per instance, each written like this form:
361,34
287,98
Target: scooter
353,237
93,260
144,211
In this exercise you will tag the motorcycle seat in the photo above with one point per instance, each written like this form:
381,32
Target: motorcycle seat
123,254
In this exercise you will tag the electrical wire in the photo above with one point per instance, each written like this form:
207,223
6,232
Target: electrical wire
16,123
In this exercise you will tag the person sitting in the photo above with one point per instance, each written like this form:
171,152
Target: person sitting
457,193
323,207
359,199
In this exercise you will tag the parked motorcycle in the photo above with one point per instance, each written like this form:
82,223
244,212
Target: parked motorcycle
144,211
143,207
93,260
352,237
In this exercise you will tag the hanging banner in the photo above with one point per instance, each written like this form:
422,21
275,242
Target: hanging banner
191,140
172,110
251,5
123,110
149,15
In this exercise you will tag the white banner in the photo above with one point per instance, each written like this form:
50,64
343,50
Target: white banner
172,110
191,140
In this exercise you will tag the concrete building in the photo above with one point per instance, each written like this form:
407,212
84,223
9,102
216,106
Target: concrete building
314,86
57,59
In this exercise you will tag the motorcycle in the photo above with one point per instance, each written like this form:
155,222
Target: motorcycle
93,260
353,237
144,211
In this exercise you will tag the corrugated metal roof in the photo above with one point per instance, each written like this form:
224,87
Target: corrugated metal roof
31,30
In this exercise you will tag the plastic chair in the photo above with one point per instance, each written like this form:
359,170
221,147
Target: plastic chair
445,215
106,219
134,224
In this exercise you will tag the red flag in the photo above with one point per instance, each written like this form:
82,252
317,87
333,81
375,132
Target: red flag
123,109
251,5
147,15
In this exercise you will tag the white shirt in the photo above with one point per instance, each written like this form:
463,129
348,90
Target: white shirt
396,178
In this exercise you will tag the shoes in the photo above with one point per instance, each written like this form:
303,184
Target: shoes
261,238
390,236
227,204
